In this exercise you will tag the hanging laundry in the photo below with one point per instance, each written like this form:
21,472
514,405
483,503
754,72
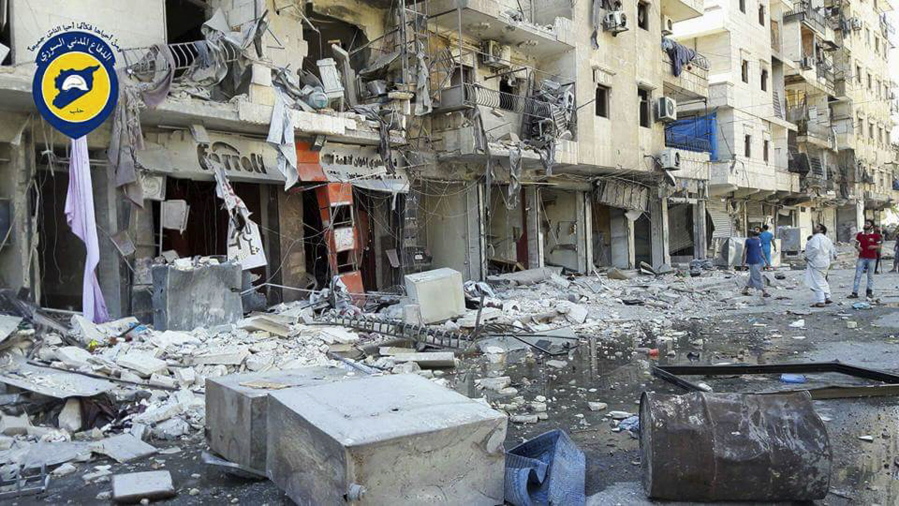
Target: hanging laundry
679,54
81,219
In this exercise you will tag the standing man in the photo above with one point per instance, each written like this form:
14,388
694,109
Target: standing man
754,258
867,243
819,252
767,239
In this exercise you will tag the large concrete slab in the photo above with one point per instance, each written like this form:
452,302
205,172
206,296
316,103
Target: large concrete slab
236,409
438,293
205,296
389,439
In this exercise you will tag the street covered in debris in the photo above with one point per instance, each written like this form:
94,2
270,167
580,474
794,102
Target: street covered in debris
572,353
461,252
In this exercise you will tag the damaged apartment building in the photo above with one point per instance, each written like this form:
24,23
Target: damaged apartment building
366,140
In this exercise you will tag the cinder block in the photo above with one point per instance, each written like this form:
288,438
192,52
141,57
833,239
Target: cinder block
236,409
385,440
438,294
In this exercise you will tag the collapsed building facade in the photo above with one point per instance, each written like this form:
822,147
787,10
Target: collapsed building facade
372,139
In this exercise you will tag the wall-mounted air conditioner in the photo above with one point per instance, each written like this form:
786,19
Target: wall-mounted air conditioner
666,109
670,159
807,63
667,25
496,55
615,22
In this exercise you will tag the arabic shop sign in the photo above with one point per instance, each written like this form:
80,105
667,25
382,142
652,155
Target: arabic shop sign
362,166
75,87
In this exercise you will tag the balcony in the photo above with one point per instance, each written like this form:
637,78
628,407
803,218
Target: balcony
681,10
505,22
693,79
472,95
804,13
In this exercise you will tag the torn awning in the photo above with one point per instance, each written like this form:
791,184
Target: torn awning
360,166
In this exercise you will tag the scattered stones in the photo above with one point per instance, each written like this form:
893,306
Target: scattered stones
150,485
597,406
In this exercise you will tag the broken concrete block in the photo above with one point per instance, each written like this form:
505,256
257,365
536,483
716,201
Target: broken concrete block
123,448
133,487
86,331
496,384
597,406
73,356
412,314
260,361
8,325
438,293
328,440
615,273
70,417
185,376
236,409
202,297
270,324
171,429
14,425
172,339
158,380
575,313
142,363
224,355
426,360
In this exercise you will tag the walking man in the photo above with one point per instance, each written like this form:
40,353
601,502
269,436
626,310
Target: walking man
819,252
767,239
867,243
754,258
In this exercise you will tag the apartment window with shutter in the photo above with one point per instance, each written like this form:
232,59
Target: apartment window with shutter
744,71
643,15
602,101
645,107
858,74
747,146
765,151
764,80
743,6
762,15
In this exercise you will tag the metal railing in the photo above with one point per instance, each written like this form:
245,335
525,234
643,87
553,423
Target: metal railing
699,66
805,13
142,61
687,142
478,95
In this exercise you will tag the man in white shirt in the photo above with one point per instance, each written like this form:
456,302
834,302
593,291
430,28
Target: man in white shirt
819,252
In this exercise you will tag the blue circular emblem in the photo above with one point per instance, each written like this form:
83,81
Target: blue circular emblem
75,86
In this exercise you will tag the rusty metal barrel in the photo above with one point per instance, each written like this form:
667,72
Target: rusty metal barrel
733,447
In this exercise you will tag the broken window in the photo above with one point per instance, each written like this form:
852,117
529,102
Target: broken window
744,70
743,6
747,146
508,91
764,78
5,35
183,20
765,151
643,15
645,109
333,31
762,15
602,101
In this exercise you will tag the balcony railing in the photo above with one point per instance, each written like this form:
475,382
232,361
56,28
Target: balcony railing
698,66
805,13
143,61
479,95
687,142
778,105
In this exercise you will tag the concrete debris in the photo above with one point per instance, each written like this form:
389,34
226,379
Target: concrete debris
495,384
134,487
123,448
597,406
14,425
438,294
70,417
427,360
615,273
8,325
142,363
73,356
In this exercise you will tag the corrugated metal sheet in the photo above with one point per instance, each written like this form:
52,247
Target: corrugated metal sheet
724,224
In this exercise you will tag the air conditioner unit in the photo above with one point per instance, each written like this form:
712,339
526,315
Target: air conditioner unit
670,159
855,23
666,109
615,22
807,63
496,55
667,25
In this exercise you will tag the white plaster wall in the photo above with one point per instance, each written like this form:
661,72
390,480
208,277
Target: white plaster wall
133,23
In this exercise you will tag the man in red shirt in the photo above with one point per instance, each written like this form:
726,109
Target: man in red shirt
868,245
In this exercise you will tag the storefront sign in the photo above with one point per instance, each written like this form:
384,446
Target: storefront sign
243,159
362,166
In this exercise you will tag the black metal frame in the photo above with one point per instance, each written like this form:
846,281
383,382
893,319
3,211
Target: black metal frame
672,373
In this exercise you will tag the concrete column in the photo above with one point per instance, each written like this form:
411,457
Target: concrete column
476,257
14,178
293,254
112,272
700,232
535,232
587,241
622,241
658,217
582,229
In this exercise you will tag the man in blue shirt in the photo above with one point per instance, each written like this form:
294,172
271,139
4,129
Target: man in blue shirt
755,259
767,239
